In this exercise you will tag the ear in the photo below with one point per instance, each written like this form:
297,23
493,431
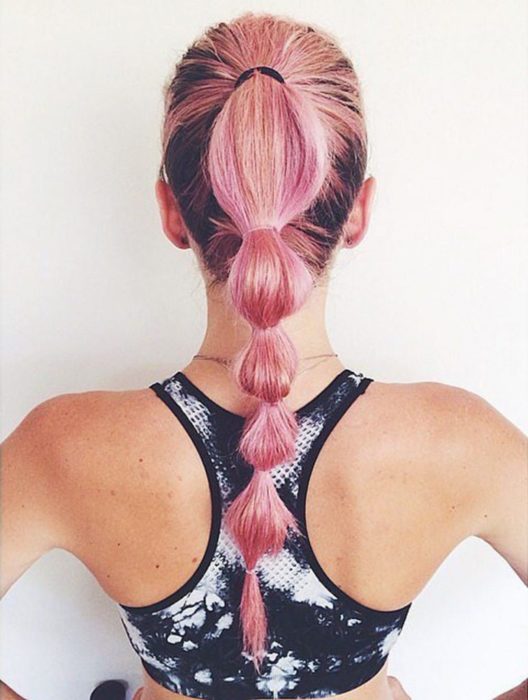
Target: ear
356,225
171,218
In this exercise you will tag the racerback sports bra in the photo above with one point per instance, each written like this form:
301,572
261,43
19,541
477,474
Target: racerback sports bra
321,642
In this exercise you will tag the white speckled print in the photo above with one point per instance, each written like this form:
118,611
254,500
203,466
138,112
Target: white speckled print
321,642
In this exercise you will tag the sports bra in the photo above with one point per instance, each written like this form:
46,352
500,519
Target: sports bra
321,642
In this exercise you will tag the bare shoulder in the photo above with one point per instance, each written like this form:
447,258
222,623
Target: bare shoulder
95,435
473,454
419,430
417,417
452,419
59,464
70,443
74,416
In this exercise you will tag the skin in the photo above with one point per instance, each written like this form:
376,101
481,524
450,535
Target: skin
434,464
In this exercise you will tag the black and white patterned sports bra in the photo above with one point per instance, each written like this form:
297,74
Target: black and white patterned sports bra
321,642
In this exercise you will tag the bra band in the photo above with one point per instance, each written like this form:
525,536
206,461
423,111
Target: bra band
262,69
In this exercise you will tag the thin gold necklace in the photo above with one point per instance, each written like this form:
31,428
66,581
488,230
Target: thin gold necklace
226,362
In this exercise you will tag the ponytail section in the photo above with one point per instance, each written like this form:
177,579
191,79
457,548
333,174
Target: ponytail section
266,174
267,161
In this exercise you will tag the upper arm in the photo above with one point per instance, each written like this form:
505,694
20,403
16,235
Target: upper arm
495,455
30,492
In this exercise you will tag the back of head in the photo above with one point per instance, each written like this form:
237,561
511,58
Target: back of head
265,165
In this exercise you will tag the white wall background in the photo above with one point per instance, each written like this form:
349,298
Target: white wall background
94,296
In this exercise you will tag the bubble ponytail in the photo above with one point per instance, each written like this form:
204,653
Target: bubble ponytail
266,176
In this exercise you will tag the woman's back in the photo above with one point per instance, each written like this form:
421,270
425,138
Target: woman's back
387,501
190,510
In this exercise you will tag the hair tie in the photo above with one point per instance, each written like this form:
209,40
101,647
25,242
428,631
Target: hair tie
260,228
261,69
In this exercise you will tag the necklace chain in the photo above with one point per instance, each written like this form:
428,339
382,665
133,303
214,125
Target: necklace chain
226,362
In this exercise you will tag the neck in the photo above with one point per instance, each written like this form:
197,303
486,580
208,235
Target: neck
227,332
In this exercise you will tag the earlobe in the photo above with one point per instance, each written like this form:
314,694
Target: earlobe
171,218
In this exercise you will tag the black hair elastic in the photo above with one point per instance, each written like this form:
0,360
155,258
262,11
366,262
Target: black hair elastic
262,69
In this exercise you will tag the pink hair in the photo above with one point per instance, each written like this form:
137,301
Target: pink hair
265,175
